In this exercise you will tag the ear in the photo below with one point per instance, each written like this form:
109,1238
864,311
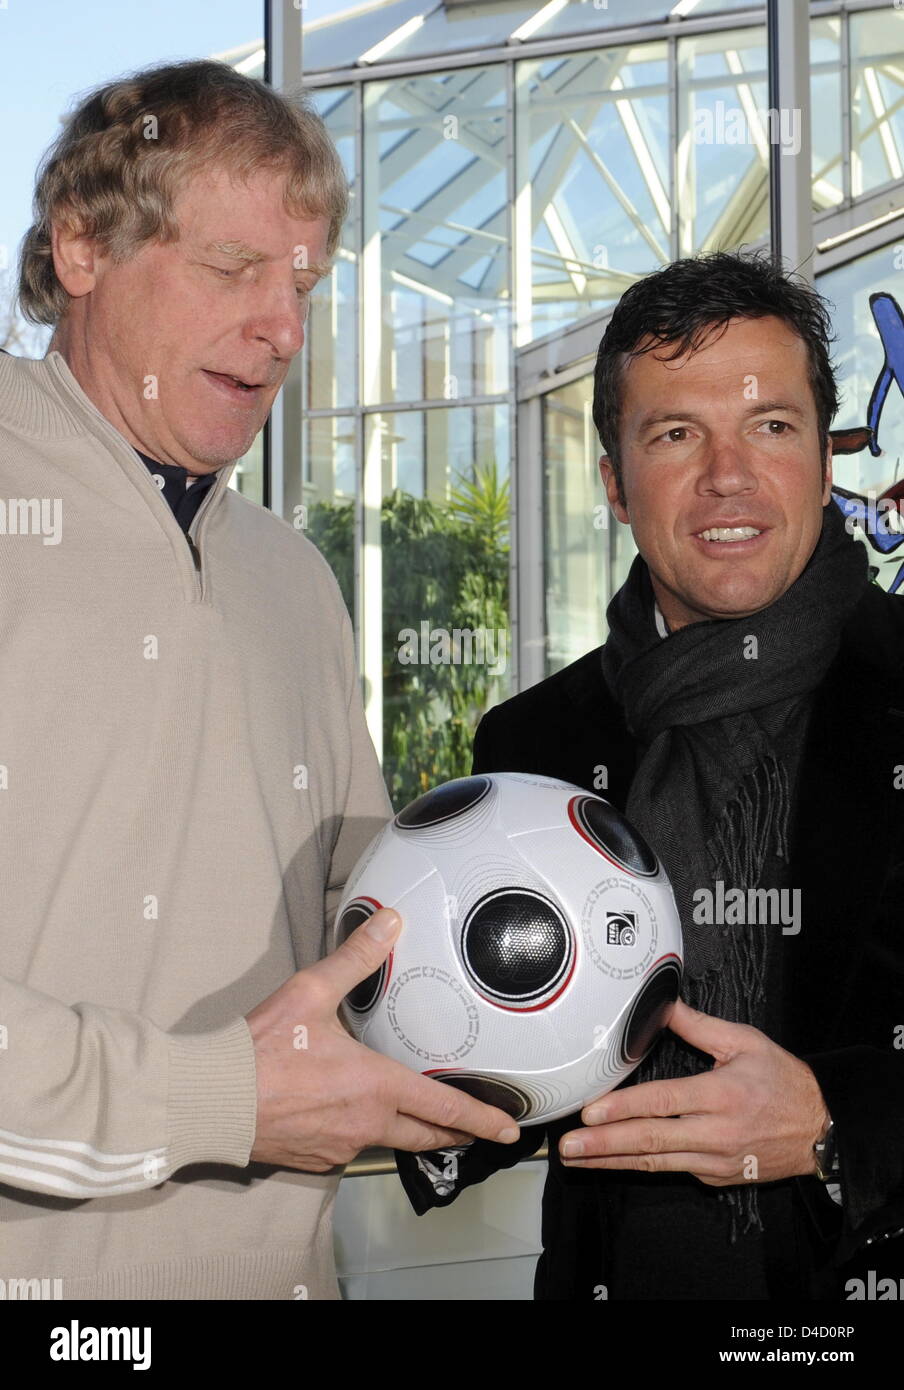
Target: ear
73,260
607,473
827,489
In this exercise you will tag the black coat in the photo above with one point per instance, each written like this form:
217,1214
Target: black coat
844,970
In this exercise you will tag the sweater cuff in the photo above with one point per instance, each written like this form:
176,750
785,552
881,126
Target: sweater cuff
212,1107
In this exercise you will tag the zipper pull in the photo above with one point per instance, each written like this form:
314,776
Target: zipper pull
195,553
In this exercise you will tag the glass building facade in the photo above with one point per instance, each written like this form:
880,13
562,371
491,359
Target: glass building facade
515,165
514,168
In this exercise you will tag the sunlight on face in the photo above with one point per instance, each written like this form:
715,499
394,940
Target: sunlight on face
722,437
141,338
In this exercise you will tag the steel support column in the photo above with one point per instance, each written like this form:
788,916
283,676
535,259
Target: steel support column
282,431
790,196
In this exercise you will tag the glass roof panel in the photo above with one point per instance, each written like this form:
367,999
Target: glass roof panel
585,16
339,41
590,16
451,26
449,29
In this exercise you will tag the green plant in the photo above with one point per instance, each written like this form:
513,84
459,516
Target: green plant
445,567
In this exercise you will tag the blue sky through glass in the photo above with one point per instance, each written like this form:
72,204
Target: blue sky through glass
54,52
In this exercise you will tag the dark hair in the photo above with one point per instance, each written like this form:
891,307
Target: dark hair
683,302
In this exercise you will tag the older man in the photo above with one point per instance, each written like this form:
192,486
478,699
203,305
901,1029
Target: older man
186,772
748,708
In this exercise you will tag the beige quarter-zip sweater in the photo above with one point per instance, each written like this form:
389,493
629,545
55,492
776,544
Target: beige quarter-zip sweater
186,779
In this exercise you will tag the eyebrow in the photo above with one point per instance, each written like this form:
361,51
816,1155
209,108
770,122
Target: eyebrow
240,251
659,417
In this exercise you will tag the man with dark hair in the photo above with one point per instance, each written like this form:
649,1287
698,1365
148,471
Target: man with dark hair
748,707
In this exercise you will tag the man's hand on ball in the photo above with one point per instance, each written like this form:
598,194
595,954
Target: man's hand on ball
322,1097
754,1117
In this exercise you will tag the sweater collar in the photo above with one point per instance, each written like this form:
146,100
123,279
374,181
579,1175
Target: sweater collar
44,400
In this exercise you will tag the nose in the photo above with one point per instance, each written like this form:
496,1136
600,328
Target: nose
280,320
726,469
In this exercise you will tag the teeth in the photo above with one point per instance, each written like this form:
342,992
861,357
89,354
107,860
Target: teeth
729,533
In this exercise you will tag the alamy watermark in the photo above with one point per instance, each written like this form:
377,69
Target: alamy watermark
460,646
734,125
21,1290
879,516
735,907
86,1343
32,516
873,1287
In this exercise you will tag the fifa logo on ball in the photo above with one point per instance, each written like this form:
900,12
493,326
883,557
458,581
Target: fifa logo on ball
621,928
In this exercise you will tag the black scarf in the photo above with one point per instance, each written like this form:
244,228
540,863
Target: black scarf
721,731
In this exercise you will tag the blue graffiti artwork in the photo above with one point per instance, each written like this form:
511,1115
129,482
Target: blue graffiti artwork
878,519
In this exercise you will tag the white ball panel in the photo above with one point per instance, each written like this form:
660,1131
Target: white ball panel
430,1017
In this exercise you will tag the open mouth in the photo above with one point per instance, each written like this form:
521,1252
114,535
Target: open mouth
230,384
731,538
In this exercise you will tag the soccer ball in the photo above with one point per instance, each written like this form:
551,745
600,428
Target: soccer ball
540,954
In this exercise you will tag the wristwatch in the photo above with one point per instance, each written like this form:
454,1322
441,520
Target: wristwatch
828,1166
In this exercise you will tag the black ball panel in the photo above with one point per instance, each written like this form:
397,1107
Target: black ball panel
650,1011
516,946
608,830
443,803
365,995
492,1091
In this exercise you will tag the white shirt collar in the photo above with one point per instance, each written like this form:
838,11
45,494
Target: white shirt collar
660,620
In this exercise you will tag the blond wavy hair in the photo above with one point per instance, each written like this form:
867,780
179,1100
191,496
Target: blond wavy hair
106,178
